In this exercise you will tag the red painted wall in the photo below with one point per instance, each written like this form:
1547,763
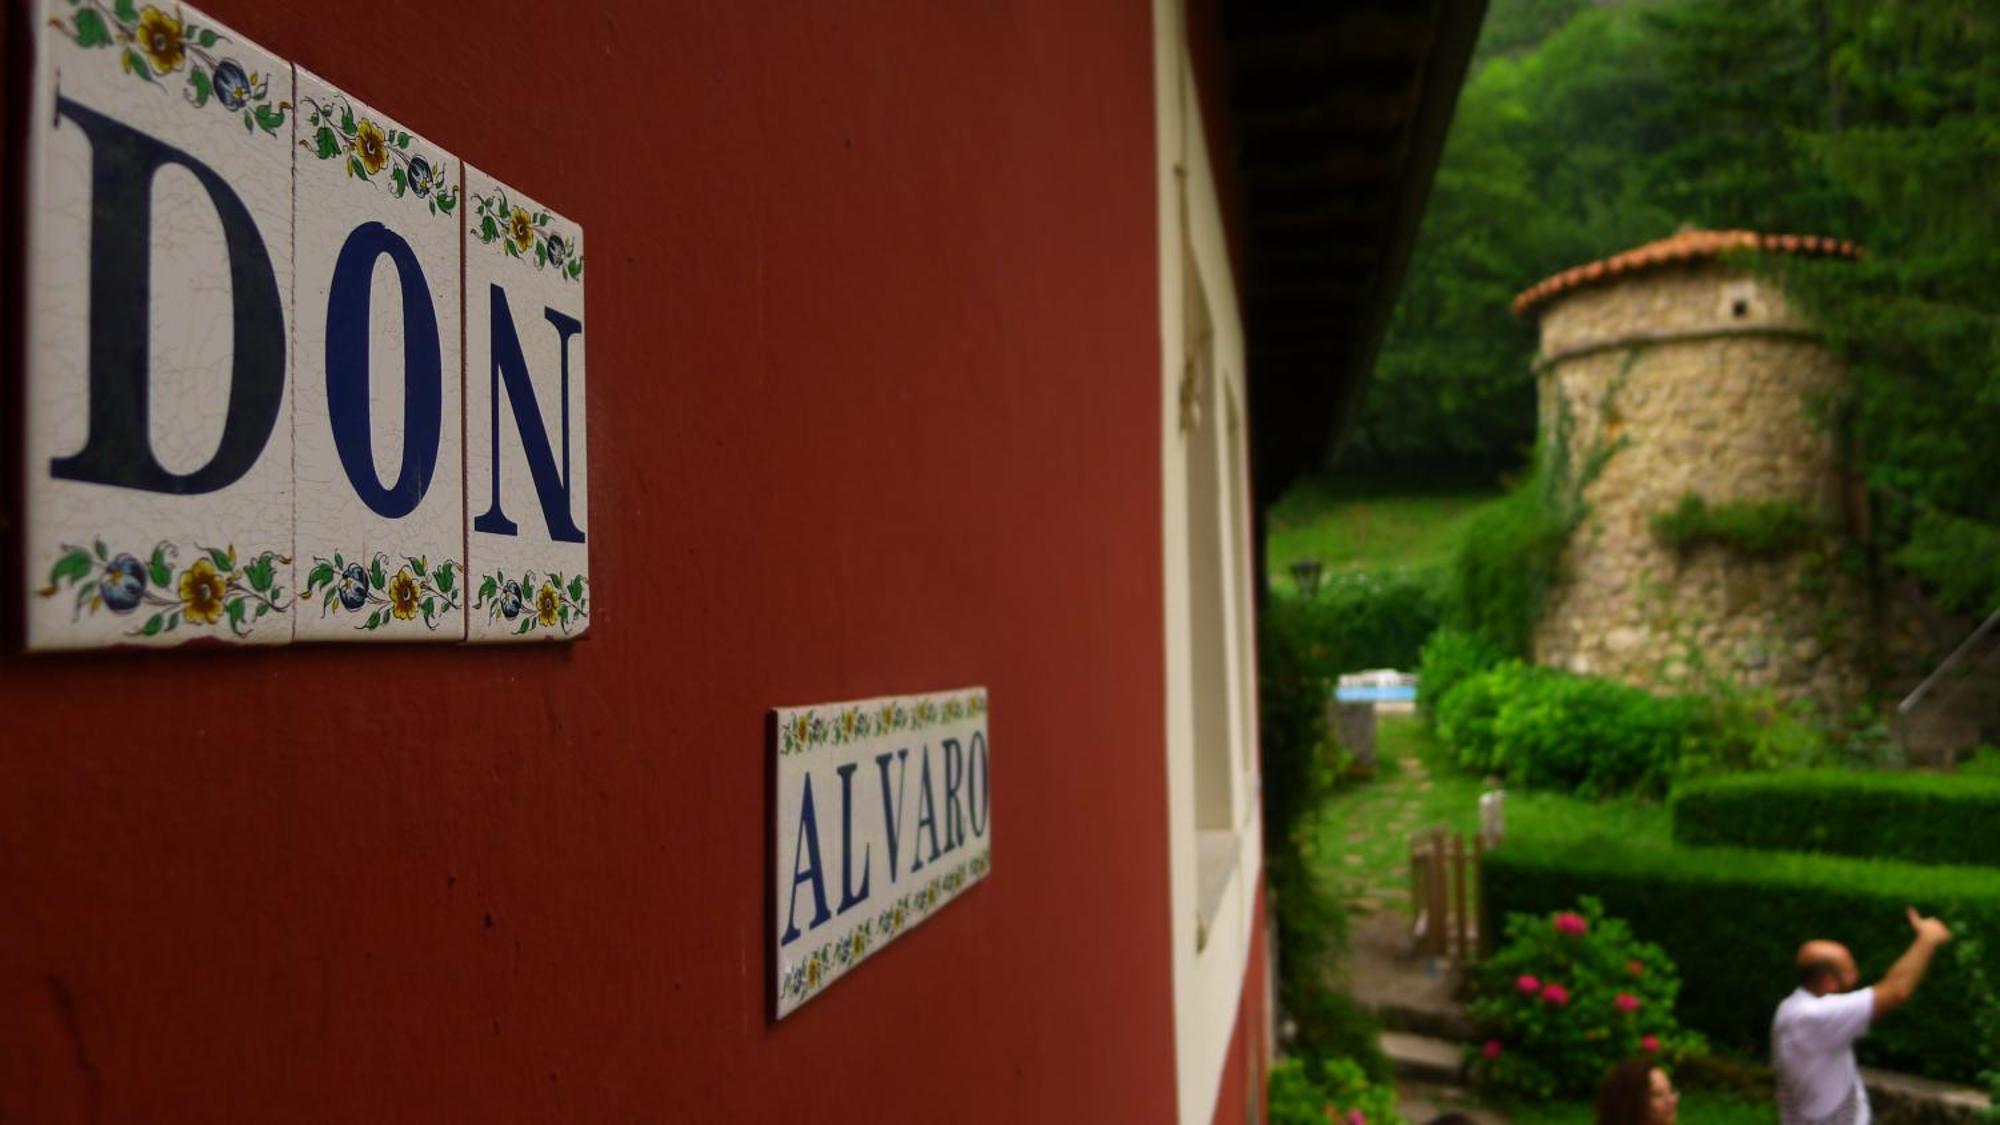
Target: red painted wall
874,368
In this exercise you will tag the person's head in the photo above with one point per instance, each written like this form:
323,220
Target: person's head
1637,1092
1826,967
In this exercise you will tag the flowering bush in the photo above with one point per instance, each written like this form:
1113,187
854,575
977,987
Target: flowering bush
1333,1091
1569,995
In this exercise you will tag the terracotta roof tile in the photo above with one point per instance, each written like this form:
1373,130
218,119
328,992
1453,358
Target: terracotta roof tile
1687,246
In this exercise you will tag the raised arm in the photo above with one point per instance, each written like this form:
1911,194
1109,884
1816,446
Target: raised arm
1900,982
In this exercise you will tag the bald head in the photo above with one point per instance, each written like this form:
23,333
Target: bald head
1826,966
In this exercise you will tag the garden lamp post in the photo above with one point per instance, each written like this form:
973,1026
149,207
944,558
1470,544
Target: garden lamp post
1306,573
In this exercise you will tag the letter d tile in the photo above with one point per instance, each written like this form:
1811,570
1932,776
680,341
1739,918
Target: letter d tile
159,288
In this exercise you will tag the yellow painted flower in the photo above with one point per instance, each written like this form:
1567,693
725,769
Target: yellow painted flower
371,147
812,974
800,728
159,36
403,595
547,602
522,230
202,591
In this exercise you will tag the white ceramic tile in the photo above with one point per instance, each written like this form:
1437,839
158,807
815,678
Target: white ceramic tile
883,815
379,484
527,484
159,441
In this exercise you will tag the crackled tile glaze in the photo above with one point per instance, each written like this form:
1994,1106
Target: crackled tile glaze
159,279
527,484
379,482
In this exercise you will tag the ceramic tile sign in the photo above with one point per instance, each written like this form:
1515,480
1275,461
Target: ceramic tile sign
379,474
527,484
159,279
882,816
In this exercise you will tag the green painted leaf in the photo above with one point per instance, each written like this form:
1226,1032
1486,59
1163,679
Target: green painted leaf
207,37
221,560
322,575
236,607
487,231
374,619
402,140
157,569
102,554
126,10
444,577
541,217
347,120
338,562
445,203
269,118
198,78
263,608
133,64
488,589
419,568
249,122
328,146
541,254
260,574
562,616
576,267
75,566
90,29
376,578
173,621
576,588
430,607
152,626
396,181
525,626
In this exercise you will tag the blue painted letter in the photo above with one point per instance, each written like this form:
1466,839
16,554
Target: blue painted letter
347,327
808,841
551,483
892,810
848,895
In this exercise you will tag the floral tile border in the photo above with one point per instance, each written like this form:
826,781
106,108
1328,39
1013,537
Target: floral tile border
835,956
154,44
217,588
806,729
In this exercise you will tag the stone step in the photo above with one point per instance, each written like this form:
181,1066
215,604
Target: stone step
1423,1058
1898,1098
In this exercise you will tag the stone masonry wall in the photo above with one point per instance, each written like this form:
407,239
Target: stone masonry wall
1695,380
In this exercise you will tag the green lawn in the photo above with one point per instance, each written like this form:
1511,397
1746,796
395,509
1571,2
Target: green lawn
1362,840
1327,520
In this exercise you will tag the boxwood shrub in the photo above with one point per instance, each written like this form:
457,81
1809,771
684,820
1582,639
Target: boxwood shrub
1732,920
1923,818
1361,619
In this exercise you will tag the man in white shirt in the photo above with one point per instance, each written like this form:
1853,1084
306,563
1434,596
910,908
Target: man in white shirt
1813,1034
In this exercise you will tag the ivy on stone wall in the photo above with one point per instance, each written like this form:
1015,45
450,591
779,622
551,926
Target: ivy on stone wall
1768,529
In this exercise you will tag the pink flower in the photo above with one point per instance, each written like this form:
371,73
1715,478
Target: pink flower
1571,923
1555,995
1634,968
1625,1002
1492,1049
1356,1117
1650,1044
1527,984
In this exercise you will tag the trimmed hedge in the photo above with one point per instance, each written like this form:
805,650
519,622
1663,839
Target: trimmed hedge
1732,920
1922,818
1360,620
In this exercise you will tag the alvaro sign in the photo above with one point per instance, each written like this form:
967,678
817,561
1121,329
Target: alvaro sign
249,416
883,815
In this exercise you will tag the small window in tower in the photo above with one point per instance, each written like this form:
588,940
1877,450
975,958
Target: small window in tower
1739,308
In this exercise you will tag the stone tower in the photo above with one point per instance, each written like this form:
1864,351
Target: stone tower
1666,373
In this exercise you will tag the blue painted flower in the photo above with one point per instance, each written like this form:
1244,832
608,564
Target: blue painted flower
123,584
354,586
421,177
510,600
557,249
232,86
